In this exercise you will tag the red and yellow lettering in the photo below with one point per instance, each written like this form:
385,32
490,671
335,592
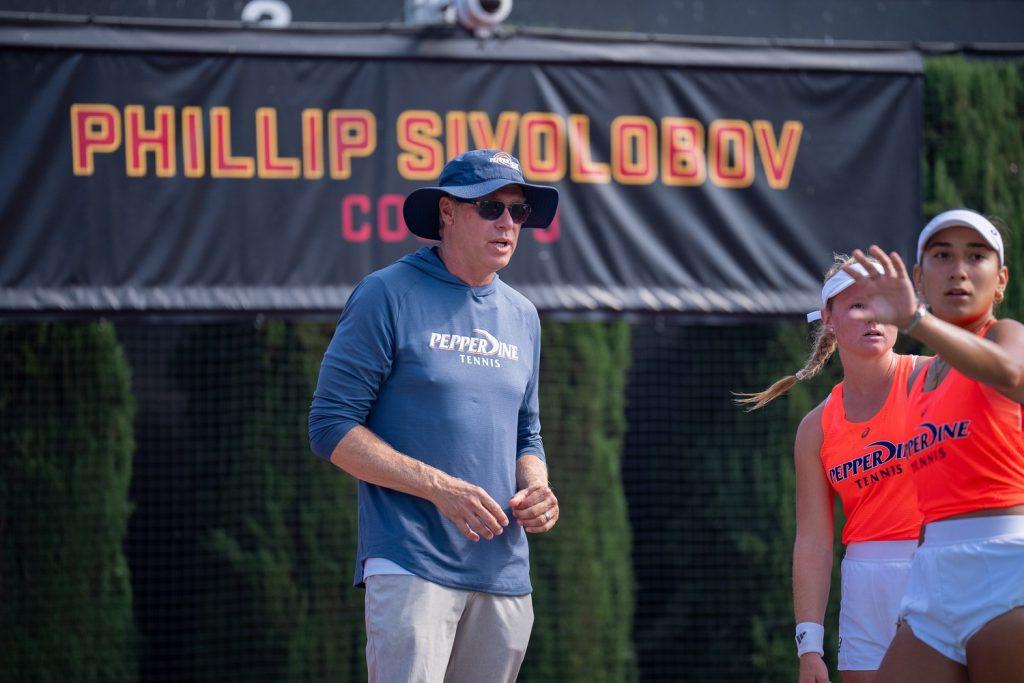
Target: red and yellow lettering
551,234
423,158
312,143
94,128
485,136
268,163
192,146
391,231
222,163
634,150
778,158
350,232
542,146
731,153
457,133
138,140
353,133
682,151
582,167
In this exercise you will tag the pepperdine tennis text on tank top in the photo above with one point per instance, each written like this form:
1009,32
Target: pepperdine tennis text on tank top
968,450
884,452
865,464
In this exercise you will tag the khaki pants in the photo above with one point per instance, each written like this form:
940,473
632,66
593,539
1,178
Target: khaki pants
419,631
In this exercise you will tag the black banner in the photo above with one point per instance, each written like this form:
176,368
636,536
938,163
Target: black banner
247,170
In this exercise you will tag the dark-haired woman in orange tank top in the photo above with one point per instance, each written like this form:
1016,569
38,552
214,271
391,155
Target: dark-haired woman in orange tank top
963,612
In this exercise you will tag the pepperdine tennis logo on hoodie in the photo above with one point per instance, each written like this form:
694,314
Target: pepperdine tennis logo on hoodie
484,350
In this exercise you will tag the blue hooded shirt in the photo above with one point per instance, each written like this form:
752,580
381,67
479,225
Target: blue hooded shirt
447,374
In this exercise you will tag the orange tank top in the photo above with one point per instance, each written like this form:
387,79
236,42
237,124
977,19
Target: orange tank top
966,448
864,463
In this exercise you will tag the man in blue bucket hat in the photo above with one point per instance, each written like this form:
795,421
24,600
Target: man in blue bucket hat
428,396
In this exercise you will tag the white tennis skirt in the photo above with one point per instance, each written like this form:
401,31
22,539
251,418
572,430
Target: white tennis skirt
967,572
874,576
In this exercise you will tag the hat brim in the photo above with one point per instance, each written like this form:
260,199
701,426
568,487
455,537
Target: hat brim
965,218
422,215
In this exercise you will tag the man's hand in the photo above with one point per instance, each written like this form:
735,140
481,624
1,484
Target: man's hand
470,508
535,508
813,669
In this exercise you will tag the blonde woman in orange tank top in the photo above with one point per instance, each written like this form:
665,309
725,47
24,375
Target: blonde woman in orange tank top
963,613
850,446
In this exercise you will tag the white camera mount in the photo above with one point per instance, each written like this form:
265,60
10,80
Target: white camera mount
479,16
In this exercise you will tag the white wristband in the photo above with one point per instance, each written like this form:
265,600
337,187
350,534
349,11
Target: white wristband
810,637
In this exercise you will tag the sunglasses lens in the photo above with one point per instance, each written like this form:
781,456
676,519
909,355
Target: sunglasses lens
490,210
519,212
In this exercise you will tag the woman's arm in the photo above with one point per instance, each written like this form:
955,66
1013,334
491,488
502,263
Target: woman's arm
996,359
812,552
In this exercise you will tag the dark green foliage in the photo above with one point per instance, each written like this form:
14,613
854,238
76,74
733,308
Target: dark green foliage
974,151
711,495
581,570
773,484
276,601
65,462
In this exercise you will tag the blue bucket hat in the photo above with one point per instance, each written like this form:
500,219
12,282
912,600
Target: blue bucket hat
469,176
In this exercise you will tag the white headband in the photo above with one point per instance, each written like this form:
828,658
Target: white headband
836,284
961,218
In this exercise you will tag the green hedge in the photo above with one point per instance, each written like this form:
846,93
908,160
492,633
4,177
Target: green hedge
974,150
276,601
581,571
66,437
773,487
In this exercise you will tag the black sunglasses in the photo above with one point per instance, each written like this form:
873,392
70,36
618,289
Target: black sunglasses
491,209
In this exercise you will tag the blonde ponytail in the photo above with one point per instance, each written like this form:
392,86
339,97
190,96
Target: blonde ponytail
824,347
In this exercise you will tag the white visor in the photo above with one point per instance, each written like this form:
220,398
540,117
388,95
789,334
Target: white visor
836,284
962,218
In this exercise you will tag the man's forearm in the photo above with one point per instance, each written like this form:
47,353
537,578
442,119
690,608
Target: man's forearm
530,470
367,457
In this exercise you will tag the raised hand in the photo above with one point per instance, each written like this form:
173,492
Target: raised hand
890,295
